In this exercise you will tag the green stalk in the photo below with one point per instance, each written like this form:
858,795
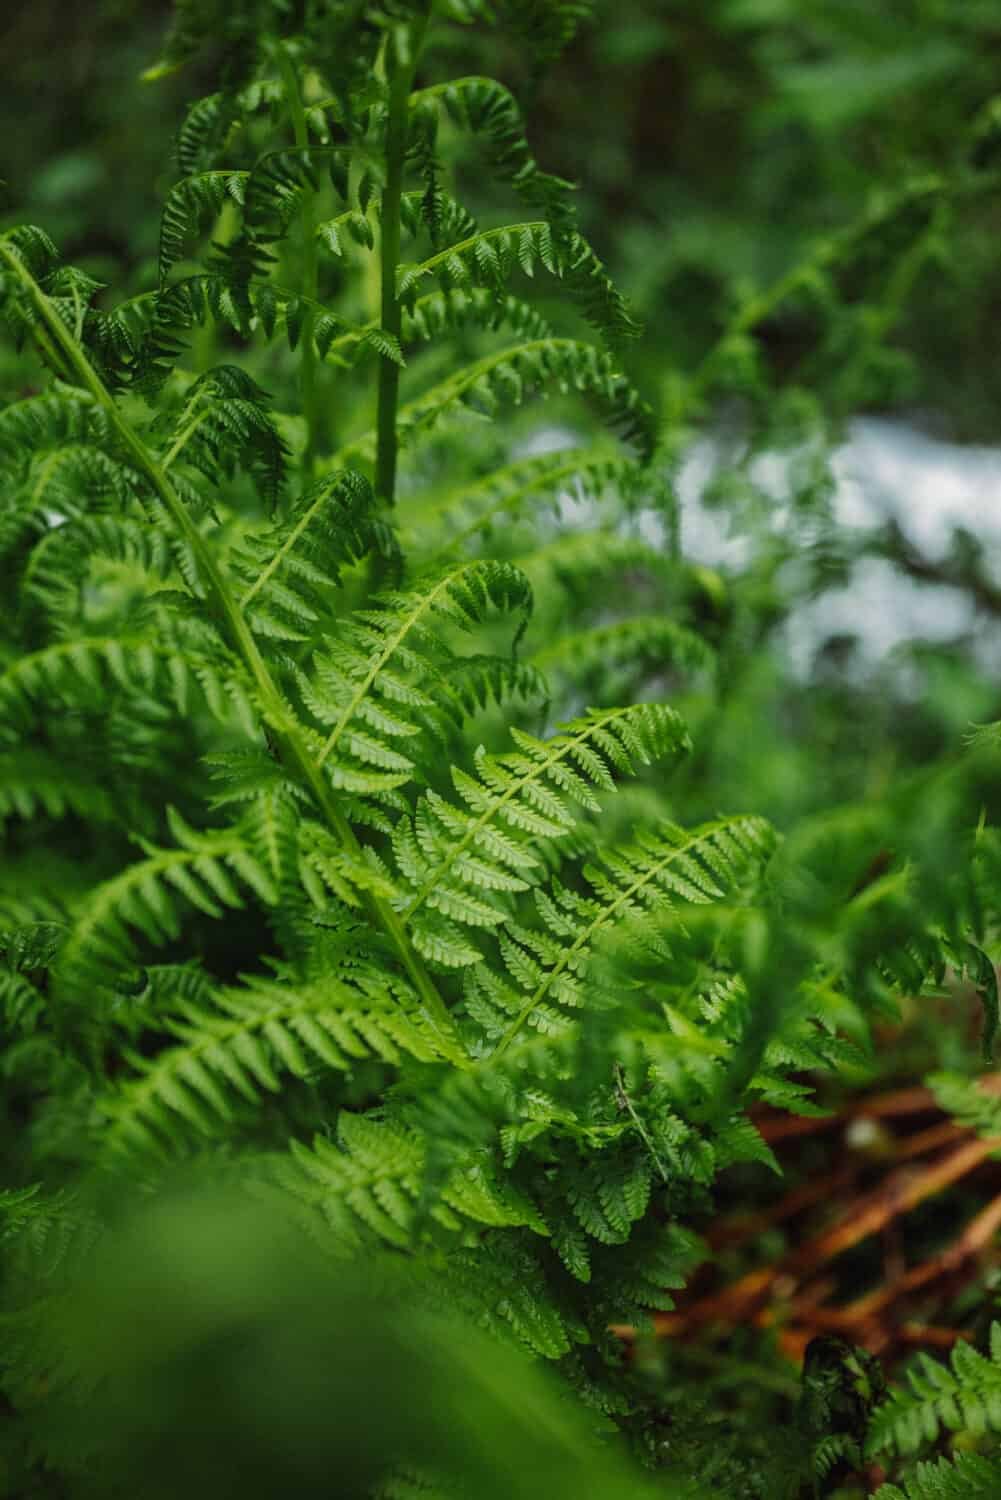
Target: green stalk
285,732
310,275
401,77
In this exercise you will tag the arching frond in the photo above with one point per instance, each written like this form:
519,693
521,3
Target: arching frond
490,113
35,782
514,489
490,257
538,366
67,554
59,419
164,657
384,667
205,131
205,870
968,1476
546,966
623,653
437,214
288,572
239,1041
225,423
435,314
459,862
275,183
370,1186
190,206
576,564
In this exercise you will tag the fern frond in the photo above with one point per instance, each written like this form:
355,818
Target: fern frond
490,257
624,653
453,858
239,1043
351,225
225,423
472,307
370,1185
490,113
576,562
205,131
384,664
510,491
504,1287
207,870
963,1395
166,657
540,365
63,483
968,1104
33,248
968,1476
181,306
35,782
434,314
276,182
60,419
287,573
68,554
437,214
190,206
663,866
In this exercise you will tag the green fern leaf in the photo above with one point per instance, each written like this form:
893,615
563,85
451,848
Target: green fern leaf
964,1395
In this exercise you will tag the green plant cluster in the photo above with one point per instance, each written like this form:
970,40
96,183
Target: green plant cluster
357,932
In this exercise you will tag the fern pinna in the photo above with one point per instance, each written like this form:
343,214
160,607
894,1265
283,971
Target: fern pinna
315,865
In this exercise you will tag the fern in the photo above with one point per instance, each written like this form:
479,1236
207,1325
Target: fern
968,1477
347,864
190,204
966,1103
451,858
237,1044
489,111
662,866
490,256
966,1395
98,952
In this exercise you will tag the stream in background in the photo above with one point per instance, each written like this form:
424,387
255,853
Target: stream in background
885,470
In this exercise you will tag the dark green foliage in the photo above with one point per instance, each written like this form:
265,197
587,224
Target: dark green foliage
352,861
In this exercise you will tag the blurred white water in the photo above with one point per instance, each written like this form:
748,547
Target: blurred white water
885,470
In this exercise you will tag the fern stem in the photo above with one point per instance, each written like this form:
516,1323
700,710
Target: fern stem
182,439
310,273
401,77
275,710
